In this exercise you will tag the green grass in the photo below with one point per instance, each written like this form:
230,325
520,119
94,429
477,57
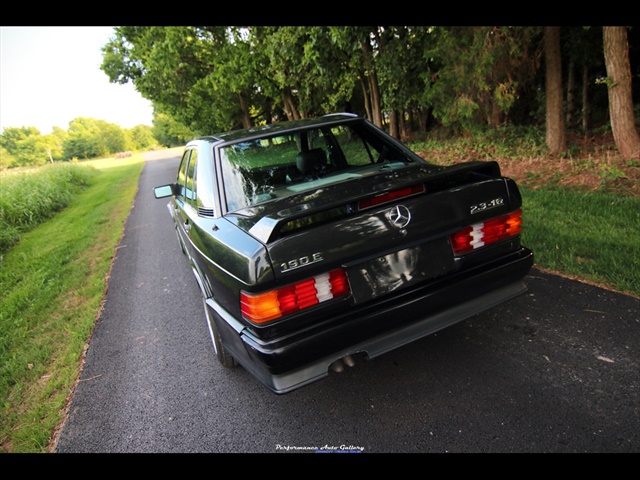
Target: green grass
29,198
591,230
484,144
52,285
591,235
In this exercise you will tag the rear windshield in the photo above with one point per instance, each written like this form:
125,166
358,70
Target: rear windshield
261,170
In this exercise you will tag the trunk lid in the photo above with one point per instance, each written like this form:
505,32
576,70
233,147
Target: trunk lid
387,241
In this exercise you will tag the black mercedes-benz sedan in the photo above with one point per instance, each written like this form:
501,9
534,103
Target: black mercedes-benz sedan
320,241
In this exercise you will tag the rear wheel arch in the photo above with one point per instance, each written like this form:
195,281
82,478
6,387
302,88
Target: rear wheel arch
222,354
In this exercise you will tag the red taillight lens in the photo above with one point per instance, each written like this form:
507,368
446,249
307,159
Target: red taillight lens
264,307
480,234
389,197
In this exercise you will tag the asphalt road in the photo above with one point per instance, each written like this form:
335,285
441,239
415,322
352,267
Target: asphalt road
556,370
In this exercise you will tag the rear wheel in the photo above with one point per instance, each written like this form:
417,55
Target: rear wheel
223,356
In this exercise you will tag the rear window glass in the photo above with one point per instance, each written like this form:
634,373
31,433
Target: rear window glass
261,170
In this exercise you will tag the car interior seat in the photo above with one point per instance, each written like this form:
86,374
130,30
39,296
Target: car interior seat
311,162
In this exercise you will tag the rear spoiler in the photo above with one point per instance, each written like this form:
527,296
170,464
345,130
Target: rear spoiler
269,228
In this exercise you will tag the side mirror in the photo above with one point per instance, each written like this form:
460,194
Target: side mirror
164,191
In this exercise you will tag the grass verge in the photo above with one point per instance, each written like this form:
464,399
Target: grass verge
29,198
52,285
593,236
581,209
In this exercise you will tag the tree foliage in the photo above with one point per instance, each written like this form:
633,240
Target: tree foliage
91,138
168,132
477,74
86,138
25,146
220,78
203,79
140,137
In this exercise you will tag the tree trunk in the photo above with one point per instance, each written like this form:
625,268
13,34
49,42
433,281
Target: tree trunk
586,110
376,108
372,83
556,140
365,93
394,130
616,56
404,125
244,108
410,123
289,105
496,116
423,119
571,85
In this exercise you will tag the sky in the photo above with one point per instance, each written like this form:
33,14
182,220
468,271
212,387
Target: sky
51,75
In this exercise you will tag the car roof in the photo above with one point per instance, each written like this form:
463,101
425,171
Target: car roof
279,127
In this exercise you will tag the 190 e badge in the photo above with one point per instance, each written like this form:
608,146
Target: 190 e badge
301,262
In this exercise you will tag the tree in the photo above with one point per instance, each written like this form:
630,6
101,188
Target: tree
91,138
54,144
400,63
283,76
6,159
196,75
213,78
25,144
168,132
616,54
141,137
114,137
476,74
583,67
556,138
371,87
360,47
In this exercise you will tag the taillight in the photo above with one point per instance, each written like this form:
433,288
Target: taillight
484,233
271,305
390,196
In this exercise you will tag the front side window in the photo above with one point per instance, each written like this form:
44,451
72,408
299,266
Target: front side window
260,170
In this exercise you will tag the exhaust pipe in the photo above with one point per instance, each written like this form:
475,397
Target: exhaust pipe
338,365
349,361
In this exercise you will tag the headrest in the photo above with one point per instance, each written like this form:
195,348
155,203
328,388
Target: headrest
307,161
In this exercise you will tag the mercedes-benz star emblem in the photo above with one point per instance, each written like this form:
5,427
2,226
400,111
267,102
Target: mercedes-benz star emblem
399,216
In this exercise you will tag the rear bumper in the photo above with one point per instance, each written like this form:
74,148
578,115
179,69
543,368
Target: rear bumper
286,363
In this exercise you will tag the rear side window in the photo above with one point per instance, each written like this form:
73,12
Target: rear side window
182,176
190,183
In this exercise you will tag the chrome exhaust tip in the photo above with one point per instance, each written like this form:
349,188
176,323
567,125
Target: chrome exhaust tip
349,361
338,365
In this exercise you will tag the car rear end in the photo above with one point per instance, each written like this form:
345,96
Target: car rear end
374,260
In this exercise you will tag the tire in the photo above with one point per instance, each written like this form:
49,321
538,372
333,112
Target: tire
223,356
